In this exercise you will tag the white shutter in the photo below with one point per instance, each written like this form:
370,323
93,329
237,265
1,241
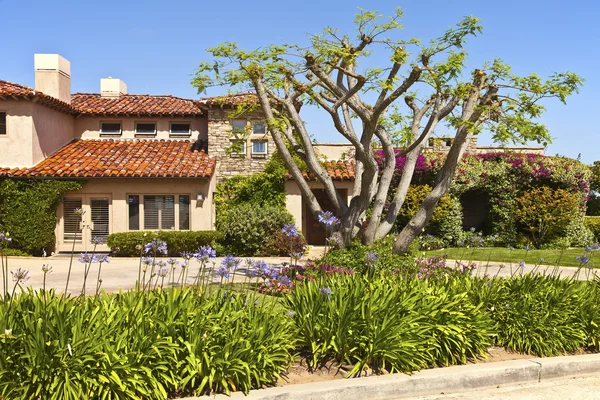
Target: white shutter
72,220
100,220
159,212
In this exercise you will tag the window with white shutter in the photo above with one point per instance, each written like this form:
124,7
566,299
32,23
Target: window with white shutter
159,212
100,220
72,219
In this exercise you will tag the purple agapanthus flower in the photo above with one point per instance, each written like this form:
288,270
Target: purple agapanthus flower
583,260
156,246
328,219
371,258
147,260
230,261
290,230
163,272
173,262
326,291
285,281
20,275
103,258
205,254
86,258
521,264
186,255
223,273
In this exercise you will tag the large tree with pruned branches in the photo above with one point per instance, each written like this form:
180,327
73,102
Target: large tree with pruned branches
399,104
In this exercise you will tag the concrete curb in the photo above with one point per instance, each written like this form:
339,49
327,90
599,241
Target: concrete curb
431,381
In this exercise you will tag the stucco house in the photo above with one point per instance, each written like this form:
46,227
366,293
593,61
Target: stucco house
149,162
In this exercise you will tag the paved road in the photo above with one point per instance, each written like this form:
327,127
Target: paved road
122,273
581,388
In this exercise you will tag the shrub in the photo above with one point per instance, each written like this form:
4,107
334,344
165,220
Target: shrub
281,244
28,212
545,213
247,229
593,224
126,244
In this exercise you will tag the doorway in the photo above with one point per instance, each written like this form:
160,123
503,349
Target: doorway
314,232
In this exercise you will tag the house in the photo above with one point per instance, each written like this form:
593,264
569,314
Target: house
149,162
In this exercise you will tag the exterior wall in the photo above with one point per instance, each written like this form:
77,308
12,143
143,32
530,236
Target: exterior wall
293,198
220,140
16,145
117,190
88,127
335,151
51,130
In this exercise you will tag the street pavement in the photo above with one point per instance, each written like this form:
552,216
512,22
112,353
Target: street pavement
579,388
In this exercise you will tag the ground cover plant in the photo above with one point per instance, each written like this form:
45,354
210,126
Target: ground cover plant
379,314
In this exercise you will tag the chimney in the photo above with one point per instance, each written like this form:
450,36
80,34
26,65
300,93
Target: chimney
53,76
110,87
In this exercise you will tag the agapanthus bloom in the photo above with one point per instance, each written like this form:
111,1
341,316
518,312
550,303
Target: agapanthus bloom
290,230
163,272
371,257
223,273
328,219
326,291
86,258
173,262
156,246
96,240
103,258
284,280
583,259
46,268
521,264
147,260
4,237
205,254
230,261
296,255
186,255
20,275
593,247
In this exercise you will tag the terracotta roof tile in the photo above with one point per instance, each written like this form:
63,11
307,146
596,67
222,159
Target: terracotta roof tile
337,170
124,159
134,104
9,90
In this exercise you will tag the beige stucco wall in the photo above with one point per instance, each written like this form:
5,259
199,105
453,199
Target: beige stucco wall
88,127
15,146
51,130
293,198
335,151
117,190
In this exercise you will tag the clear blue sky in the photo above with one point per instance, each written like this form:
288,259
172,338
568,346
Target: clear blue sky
154,46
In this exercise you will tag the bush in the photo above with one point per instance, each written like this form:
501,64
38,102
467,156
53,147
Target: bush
28,212
281,244
593,224
247,229
125,244
545,213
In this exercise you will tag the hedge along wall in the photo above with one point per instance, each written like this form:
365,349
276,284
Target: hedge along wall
28,211
502,178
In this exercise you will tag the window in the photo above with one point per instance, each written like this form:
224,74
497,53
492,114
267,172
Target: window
133,201
259,148
72,218
180,128
100,218
238,126
2,123
110,128
159,212
259,128
146,128
238,148
184,212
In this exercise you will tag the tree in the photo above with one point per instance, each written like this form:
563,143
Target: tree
593,204
364,104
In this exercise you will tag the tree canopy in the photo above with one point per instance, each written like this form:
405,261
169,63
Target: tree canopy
399,104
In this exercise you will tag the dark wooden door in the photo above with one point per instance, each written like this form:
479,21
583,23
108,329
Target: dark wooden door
314,233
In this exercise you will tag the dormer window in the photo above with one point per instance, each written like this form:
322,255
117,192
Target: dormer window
145,128
2,123
180,129
110,128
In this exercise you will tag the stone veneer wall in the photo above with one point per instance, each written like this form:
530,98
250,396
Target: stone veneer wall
220,140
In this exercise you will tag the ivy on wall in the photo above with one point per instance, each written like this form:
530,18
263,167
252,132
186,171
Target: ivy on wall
28,211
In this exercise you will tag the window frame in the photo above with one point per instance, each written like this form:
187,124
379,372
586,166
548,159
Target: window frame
5,123
102,133
178,134
260,154
242,153
146,134
176,211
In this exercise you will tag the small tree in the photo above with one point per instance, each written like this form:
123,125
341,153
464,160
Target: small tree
544,212
401,103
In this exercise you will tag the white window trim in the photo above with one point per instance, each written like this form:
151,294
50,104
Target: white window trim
243,152
145,133
175,210
111,133
260,153
189,132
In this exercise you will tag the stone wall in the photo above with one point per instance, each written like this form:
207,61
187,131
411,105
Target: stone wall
220,140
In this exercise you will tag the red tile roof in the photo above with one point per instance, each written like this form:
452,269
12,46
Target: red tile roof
124,159
9,90
337,170
134,104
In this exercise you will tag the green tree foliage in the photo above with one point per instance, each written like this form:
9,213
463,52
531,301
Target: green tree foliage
544,212
28,211
402,100
593,204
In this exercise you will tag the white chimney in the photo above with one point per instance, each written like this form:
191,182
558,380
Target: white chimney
110,87
53,76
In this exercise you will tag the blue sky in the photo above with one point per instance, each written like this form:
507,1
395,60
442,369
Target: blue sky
155,46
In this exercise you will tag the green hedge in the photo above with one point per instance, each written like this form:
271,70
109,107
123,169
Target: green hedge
593,224
28,212
124,243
